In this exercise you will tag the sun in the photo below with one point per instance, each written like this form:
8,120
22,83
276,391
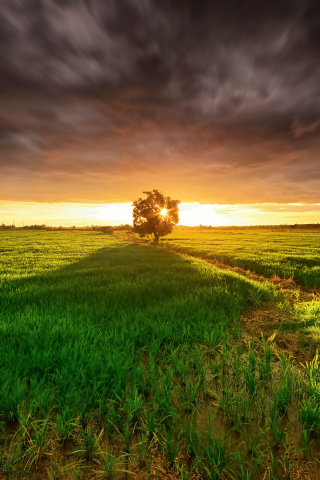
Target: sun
163,212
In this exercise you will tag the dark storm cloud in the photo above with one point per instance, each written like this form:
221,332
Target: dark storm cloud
220,100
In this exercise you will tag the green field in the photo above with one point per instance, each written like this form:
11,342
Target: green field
118,356
285,253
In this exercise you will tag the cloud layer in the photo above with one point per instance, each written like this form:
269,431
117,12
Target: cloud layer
100,100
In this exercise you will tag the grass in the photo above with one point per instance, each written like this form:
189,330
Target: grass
279,254
292,321
285,253
118,357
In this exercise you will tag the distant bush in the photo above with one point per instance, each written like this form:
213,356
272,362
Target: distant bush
125,227
108,230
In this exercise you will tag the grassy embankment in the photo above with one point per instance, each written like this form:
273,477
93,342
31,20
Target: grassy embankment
117,356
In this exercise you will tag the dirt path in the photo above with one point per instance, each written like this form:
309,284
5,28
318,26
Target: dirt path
277,320
287,283
272,319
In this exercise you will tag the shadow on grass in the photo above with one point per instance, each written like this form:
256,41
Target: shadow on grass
85,326
123,279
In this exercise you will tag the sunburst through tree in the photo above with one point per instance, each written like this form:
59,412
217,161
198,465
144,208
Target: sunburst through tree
155,215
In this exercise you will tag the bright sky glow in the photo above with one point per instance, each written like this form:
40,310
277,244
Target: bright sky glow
164,212
192,214
102,100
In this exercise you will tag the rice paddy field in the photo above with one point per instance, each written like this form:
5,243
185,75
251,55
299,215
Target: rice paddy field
285,253
123,360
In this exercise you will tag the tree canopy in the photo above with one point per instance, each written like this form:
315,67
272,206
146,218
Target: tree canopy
156,214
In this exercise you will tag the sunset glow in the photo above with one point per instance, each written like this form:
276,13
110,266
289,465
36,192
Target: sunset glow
191,214
159,220
163,212
214,105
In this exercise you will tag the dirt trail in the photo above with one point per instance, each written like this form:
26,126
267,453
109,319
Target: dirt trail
287,283
283,282
271,319
276,319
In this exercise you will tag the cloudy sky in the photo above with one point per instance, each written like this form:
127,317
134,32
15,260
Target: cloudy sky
211,102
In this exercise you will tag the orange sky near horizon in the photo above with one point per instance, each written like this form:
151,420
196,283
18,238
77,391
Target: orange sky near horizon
209,102
191,214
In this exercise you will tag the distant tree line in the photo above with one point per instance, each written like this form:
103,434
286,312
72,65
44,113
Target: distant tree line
26,227
33,227
103,228
7,227
109,229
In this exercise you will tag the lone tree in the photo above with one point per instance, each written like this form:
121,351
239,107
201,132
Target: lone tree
155,214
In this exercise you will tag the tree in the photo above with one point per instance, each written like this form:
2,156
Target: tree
155,214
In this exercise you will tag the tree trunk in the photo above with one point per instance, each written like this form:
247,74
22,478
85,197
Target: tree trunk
156,237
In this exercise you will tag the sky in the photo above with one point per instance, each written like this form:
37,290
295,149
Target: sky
191,214
214,103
